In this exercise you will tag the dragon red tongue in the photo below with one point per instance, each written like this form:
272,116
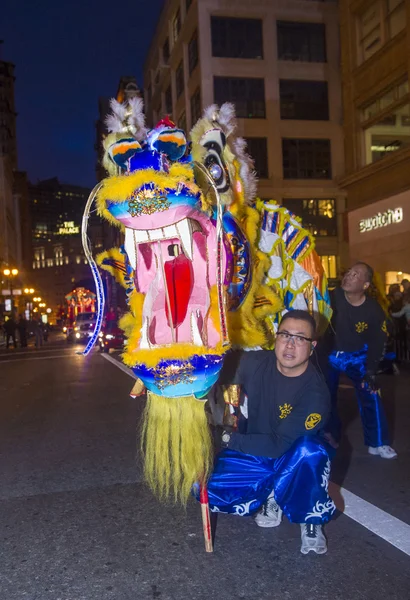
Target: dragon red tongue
179,277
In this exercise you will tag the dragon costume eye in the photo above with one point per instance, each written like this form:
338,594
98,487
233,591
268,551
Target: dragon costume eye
215,141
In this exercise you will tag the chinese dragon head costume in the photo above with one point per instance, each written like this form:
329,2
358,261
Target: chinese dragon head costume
205,266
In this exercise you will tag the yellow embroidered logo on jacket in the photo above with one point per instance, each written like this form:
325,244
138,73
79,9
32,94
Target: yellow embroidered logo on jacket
384,327
312,420
361,326
285,410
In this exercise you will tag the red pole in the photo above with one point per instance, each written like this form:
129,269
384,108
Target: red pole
206,518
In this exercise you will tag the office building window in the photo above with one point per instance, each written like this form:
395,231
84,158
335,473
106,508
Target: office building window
248,95
257,148
165,51
193,52
387,134
330,266
168,100
179,79
176,25
301,41
306,159
236,38
195,106
318,214
396,17
304,100
388,98
377,24
182,121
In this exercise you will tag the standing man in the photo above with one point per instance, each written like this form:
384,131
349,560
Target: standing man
357,336
10,329
281,463
22,328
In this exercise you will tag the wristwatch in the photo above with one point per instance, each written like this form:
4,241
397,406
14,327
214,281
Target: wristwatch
226,436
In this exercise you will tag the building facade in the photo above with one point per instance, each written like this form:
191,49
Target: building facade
375,42
278,62
59,263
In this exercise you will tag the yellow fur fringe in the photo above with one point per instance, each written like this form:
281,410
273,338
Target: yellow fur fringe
176,445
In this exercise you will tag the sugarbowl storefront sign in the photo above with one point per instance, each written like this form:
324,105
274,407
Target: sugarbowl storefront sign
382,219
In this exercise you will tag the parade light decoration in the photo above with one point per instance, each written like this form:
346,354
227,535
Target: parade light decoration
95,272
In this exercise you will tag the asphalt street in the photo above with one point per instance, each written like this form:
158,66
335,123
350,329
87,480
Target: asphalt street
78,523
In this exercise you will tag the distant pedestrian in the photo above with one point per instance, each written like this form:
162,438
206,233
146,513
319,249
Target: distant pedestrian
10,329
38,332
405,284
22,329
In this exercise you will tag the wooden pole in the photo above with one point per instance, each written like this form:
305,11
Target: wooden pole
206,518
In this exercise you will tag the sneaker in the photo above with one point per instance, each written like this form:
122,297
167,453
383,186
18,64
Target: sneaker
313,539
271,513
383,451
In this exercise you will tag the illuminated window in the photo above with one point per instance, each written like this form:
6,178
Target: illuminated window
66,260
318,214
329,265
50,262
389,133
385,100
78,260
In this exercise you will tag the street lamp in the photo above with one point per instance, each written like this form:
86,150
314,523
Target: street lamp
10,273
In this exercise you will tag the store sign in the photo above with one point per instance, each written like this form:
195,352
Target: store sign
68,228
388,217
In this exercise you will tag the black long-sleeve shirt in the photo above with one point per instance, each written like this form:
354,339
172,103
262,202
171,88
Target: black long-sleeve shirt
280,409
355,326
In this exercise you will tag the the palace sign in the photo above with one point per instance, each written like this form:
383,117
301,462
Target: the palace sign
68,228
388,217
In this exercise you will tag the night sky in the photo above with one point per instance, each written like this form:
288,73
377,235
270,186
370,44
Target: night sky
67,54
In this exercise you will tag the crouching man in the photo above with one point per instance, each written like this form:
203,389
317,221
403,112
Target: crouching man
282,463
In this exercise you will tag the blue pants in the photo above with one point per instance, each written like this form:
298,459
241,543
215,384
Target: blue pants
241,483
353,364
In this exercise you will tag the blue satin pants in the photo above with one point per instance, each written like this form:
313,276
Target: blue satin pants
353,364
241,483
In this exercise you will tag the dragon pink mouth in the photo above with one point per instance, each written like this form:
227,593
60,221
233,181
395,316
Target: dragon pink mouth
175,267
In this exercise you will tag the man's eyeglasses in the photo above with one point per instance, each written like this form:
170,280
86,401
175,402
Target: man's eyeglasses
284,337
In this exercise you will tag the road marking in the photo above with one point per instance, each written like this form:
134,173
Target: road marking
119,365
376,520
13,360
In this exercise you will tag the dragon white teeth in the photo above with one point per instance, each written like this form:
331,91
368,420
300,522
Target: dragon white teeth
141,236
196,336
185,235
129,246
144,343
170,232
182,230
155,235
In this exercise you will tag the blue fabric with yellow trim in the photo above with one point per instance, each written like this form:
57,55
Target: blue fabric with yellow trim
241,483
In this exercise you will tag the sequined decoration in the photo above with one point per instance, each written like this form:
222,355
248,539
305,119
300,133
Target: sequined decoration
147,202
174,374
